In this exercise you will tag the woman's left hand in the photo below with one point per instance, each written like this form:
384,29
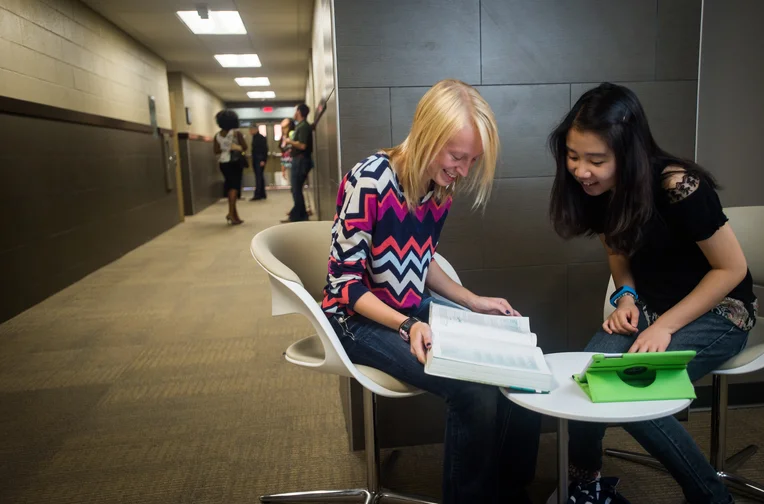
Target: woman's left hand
492,306
652,339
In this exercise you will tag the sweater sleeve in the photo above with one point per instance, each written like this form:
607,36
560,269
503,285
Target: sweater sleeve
351,242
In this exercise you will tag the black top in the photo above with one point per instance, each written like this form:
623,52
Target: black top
259,146
668,263
303,133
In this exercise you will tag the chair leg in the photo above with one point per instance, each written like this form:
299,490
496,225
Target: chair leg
740,457
719,421
373,492
370,440
387,496
719,446
320,496
744,486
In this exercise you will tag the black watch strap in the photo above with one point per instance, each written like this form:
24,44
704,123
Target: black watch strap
405,329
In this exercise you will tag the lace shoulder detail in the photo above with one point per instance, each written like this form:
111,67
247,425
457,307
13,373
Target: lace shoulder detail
679,184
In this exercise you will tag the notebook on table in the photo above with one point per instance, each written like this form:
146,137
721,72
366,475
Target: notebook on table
492,349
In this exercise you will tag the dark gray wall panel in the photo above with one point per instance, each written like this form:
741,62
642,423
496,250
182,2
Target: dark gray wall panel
670,109
200,171
731,104
403,102
365,120
326,158
516,230
461,234
567,41
526,115
536,292
406,42
678,39
99,193
208,181
587,284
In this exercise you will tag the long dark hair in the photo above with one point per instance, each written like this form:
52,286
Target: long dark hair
614,113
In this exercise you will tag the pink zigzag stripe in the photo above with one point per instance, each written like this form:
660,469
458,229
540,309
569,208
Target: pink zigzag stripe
402,252
366,222
391,202
410,299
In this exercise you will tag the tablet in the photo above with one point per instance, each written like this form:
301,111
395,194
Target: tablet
637,366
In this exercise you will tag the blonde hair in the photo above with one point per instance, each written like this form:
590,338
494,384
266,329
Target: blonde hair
446,108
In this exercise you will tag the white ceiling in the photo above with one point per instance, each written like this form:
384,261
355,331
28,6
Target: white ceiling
279,31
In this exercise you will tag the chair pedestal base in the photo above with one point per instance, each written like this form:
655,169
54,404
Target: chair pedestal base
351,495
373,493
735,483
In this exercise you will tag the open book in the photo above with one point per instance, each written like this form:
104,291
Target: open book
492,349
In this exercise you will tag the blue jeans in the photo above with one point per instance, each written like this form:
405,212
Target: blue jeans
487,440
715,340
299,174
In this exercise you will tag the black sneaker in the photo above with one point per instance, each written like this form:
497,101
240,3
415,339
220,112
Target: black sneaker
598,491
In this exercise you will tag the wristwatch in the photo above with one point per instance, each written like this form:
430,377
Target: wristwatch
624,290
405,329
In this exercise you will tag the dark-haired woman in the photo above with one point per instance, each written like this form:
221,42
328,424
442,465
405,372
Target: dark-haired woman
682,282
227,141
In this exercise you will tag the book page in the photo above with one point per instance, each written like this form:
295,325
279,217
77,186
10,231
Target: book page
467,323
520,357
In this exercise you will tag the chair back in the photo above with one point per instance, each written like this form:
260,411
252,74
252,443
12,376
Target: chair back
298,252
295,256
748,225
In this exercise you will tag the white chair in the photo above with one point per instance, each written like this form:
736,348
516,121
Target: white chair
747,224
295,257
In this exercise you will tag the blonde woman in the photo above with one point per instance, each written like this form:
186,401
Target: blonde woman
390,211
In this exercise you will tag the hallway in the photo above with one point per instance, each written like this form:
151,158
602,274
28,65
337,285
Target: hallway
159,379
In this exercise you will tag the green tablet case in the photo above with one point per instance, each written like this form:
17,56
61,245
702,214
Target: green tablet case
638,377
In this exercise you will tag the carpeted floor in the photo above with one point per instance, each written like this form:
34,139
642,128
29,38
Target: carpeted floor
159,379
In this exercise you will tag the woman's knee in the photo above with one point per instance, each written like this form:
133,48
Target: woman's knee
476,397
603,342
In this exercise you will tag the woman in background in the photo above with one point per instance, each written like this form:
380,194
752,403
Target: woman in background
682,282
229,146
287,132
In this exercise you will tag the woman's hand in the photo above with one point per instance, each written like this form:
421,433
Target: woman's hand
420,339
492,306
624,319
236,147
652,339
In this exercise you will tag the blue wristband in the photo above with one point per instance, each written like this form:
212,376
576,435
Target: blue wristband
624,290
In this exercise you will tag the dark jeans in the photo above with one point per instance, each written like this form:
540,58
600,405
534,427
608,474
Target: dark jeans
715,339
259,177
490,444
298,175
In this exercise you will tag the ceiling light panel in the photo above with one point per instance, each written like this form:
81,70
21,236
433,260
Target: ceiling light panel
252,81
261,94
218,23
238,60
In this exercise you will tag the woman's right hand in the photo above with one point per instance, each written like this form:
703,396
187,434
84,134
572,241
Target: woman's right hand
624,319
420,339
236,147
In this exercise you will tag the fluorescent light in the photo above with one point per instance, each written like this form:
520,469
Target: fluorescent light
218,23
261,94
238,60
252,81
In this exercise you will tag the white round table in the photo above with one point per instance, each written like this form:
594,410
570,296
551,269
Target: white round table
568,402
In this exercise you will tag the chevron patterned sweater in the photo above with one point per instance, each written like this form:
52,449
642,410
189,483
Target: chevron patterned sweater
379,246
